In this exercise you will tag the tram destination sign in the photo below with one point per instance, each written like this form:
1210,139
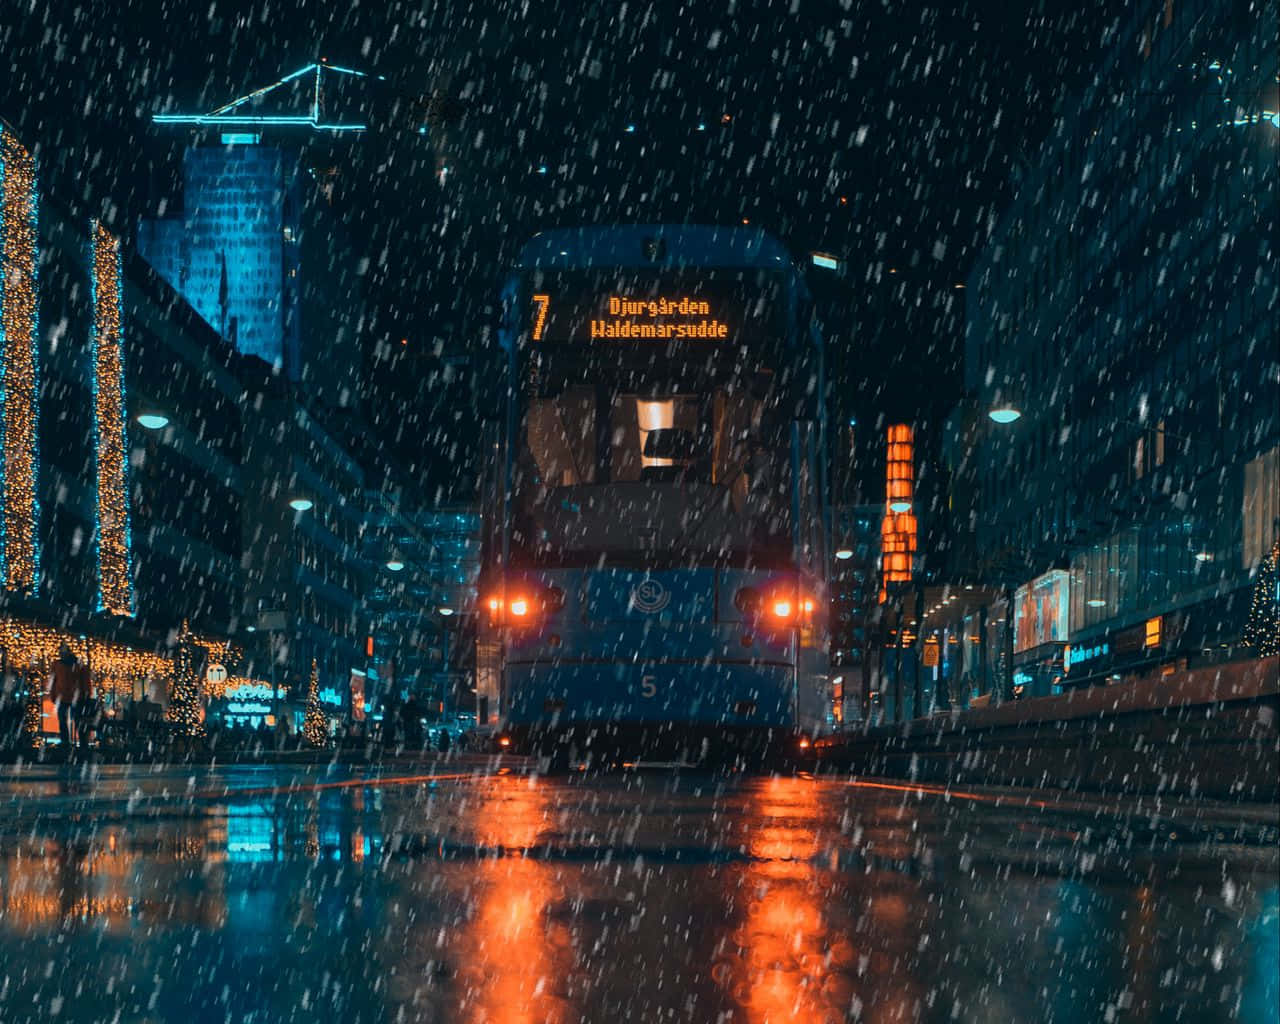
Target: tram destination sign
699,311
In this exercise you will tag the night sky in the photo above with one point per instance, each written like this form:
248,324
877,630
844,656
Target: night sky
888,133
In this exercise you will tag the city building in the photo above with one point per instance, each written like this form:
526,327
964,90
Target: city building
304,576
421,604
121,496
257,253
1116,462
855,582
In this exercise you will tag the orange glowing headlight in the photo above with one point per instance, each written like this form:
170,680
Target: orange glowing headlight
504,742
495,603
807,605
782,609
520,607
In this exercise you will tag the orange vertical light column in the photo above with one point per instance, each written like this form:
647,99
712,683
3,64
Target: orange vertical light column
898,530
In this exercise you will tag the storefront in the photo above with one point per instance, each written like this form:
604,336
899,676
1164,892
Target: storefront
1040,635
244,704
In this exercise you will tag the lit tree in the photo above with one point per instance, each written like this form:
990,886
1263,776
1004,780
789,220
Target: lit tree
314,726
1262,631
184,695
35,705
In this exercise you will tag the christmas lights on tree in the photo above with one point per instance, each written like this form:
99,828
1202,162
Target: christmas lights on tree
314,727
115,569
34,710
1262,630
184,697
19,366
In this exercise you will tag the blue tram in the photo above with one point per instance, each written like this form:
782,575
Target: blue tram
654,580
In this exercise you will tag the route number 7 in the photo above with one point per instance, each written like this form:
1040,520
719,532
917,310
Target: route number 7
540,318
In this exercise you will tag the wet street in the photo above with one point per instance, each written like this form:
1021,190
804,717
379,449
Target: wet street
281,894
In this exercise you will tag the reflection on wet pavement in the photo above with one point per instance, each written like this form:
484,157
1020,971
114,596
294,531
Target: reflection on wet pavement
278,894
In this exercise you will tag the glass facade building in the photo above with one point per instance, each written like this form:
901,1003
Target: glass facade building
1126,305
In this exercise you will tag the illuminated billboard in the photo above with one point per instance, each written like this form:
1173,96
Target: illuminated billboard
1040,611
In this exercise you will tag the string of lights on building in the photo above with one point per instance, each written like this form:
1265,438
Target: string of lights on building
33,647
115,569
19,366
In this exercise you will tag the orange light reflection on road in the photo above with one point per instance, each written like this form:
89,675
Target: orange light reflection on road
510,963
794,969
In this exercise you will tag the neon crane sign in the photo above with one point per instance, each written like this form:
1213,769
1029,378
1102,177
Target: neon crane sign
239,112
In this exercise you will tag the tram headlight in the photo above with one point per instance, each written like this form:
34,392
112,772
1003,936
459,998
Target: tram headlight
525,607
789,607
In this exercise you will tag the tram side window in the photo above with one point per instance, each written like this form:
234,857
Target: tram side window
561,432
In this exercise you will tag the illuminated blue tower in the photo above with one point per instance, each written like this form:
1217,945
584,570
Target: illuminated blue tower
234,253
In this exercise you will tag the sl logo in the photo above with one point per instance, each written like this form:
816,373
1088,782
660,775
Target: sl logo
650,596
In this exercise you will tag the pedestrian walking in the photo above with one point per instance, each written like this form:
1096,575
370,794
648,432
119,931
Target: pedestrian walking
69,690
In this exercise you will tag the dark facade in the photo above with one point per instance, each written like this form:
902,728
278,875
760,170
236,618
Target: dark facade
181,482
1126,305
855,610
258,255
300,532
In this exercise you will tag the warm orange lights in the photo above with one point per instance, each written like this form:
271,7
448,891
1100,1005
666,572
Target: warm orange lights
900,472
19,367
782,609
520,607
115,564
540,318
899,529
495,605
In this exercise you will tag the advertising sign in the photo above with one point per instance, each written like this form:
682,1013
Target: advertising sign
1040,611
357,696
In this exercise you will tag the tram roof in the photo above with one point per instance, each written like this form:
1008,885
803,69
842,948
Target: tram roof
682,245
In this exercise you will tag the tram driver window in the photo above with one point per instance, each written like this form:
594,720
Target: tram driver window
561,432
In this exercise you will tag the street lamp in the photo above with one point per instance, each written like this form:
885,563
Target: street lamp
394,564
152,420
844,554
445,610
1004,407
301,504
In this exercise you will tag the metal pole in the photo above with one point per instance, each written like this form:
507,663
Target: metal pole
898,714
444,696
1008,645
984,653
919,649
275,688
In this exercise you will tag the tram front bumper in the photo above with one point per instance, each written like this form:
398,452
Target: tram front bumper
737,696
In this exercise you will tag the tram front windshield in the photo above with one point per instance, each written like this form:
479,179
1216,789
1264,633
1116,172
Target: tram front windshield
634,455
